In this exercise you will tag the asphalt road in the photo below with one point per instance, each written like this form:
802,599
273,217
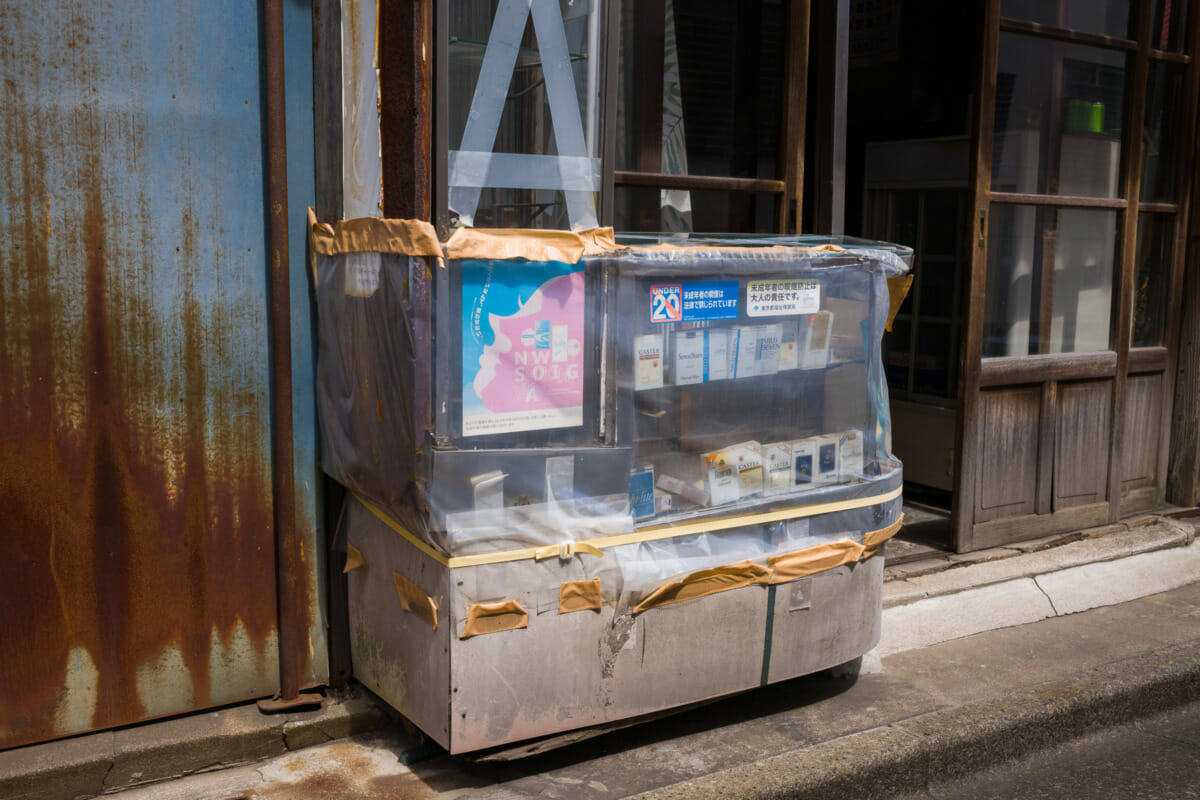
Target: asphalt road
1157,759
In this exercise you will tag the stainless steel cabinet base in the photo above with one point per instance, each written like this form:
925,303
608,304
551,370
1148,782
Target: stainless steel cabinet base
569,671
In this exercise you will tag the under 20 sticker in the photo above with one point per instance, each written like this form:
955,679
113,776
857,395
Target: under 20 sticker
693,301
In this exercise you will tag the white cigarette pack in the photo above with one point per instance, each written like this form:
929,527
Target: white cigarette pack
815,353
789,345
850,456
648,353
720,478
688,491
743,351
777,461
716,354
689,360
766,361
747,462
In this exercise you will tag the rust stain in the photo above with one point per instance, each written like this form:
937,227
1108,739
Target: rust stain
135,497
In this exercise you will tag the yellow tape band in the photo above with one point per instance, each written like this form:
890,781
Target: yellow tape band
657,533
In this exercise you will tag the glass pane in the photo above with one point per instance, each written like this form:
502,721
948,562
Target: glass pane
943,222
1169,28
1160,136
1049,280
936,370
896,345
506,114
1153,270
640,208
700,92
1101,17
1058,118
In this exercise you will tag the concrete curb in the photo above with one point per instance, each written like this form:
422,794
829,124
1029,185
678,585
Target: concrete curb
939,607
909,755
109,761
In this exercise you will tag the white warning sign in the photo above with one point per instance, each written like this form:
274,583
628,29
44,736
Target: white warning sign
776,298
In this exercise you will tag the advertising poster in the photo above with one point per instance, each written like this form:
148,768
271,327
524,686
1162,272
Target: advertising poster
523,332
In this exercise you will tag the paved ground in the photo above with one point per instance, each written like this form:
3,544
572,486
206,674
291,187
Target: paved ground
927,713
1155,758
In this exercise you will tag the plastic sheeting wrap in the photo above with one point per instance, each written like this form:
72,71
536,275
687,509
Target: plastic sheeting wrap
643,413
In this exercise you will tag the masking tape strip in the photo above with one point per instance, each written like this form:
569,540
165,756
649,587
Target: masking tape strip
597,241
506,243
897,290
579,596
506,615
408,237
415,601
779,569
645,535
523,171
354,559
704,583
874,540
802,563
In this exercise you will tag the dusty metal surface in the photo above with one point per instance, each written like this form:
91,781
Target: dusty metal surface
137,573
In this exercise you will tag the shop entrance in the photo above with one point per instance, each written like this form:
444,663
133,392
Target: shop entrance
1031,367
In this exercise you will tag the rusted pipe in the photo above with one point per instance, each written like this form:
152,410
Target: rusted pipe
289,566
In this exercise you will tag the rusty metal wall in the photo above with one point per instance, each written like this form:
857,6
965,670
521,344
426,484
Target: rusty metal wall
137,573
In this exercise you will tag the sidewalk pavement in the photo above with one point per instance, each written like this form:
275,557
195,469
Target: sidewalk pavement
985,657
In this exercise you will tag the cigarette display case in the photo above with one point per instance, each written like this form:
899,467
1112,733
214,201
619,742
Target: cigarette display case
595,479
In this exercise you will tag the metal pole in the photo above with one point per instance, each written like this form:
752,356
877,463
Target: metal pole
288,563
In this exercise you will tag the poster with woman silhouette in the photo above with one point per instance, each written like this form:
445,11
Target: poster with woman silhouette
523,328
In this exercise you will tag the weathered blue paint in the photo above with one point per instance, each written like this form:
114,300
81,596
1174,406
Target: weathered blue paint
298,52
136,552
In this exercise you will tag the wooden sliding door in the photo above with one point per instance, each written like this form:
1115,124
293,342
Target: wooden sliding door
1084,123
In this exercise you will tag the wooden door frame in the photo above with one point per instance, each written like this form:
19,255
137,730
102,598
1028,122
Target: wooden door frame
1115,364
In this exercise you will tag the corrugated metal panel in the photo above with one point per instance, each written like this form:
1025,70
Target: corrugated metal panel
136,557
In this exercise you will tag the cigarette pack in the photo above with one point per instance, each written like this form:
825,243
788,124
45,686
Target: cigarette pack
716,354
815,354
688,491
746,459
641,492
827,459
789,346
743,351
766,361
777,460
721,478
850,456
804,461
648,353
689,358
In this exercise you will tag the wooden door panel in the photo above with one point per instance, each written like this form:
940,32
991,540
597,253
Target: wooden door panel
1007,469
1141,436
1081,446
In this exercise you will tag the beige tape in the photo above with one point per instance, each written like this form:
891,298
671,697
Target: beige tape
597,241
503,243
506,615
897,290
874,540
651,534
409,237
354,559
704,583
415,601
811,560
579,596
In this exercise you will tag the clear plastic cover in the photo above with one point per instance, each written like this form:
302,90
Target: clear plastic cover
681,405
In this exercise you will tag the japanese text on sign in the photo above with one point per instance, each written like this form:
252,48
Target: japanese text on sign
782,297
